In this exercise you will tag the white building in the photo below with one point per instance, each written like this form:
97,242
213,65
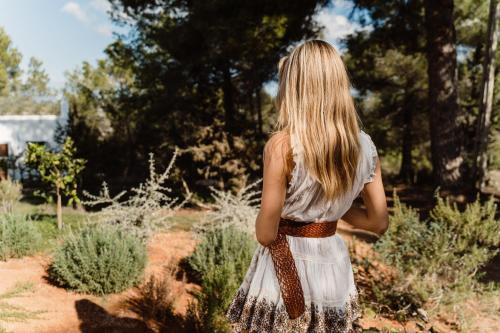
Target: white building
16,131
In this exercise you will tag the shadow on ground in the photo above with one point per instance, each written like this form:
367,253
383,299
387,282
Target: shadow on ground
95,319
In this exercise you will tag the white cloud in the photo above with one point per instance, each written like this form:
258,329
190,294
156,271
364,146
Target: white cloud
336,26
91,15
101,5
76,11
105,30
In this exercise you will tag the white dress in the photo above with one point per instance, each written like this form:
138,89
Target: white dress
323,264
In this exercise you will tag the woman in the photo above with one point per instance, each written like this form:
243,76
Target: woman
300,278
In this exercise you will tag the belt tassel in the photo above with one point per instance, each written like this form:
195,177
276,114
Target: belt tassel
284,264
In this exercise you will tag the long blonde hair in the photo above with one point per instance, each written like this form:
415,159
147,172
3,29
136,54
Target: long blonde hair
315,104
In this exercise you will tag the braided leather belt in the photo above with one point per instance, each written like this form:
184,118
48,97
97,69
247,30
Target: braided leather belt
284,264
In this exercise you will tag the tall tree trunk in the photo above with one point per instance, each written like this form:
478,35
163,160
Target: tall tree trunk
59,209
446,136
486,102
406,171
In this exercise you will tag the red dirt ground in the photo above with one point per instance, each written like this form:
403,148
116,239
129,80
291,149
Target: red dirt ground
67,312
71,312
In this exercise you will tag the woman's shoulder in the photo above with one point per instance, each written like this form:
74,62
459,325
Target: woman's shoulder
278,143
279,149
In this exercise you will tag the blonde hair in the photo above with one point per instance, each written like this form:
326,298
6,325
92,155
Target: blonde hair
315,105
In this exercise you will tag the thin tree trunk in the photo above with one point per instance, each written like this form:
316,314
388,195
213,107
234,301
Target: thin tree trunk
486,102
252,107
406,171
446,136
59,209
229,108
258,101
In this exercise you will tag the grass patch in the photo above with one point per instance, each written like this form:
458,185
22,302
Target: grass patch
185,221
13,313
44,218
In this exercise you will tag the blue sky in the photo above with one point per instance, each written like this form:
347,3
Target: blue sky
59,32
64,33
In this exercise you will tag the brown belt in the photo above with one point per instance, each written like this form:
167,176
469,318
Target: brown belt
284,264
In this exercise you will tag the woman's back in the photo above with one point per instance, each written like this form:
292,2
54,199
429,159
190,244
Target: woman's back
305,199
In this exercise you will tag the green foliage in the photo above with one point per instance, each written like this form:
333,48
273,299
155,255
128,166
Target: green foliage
10,59
90,90
31,96
98,259
494,151
220,262
37,81
18,236
10,193
59,169
211,82
440,258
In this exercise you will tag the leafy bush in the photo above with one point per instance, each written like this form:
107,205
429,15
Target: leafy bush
440,258
10,193
148,206
18,236
221,261
99,260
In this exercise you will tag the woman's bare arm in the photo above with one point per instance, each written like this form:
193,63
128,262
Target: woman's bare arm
273,190
375,217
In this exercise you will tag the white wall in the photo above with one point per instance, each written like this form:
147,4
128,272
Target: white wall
17,130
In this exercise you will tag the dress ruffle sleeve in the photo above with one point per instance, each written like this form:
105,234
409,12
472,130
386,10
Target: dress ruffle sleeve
371,157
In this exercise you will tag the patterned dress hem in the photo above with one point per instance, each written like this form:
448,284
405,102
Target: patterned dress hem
247,313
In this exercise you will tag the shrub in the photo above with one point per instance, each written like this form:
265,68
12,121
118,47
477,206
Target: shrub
10,193
221,261
154,300
233,209
147,207
219,246
18,236
99,260
441,257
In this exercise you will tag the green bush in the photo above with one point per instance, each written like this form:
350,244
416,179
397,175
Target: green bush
18,236
99,260
441,257
221,261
